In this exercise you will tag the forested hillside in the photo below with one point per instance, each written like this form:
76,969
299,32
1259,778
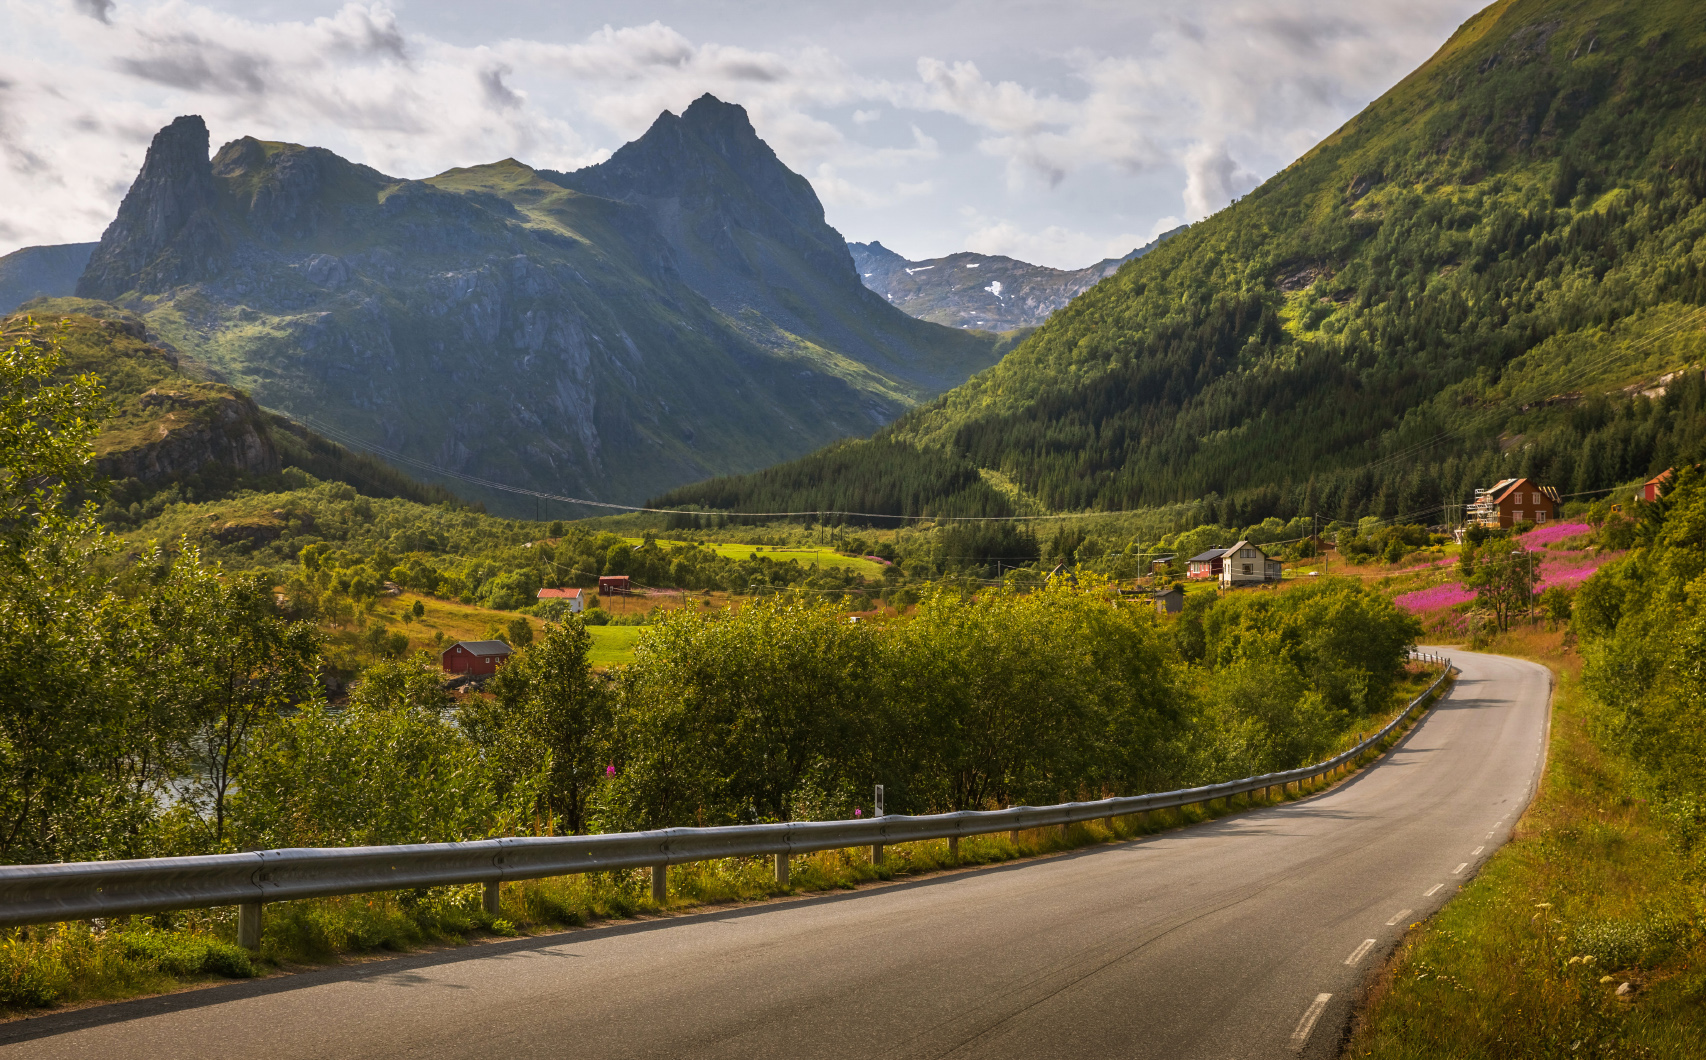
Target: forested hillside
1490,271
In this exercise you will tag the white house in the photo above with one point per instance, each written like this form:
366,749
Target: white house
575,597
1246,564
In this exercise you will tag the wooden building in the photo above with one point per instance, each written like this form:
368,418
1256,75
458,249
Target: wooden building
476,657
1514,500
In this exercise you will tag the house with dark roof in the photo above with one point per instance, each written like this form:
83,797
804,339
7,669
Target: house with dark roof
1511,501
1206,565
1247,564
474,657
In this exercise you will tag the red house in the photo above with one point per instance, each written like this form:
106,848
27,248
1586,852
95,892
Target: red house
613,585
477,657
1208,564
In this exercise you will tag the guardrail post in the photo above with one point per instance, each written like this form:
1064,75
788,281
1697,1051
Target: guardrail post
876,853
954,847
492,898
249,926
1013,837
782,870
660,884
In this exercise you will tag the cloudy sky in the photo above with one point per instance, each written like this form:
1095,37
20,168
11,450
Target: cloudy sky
1059,132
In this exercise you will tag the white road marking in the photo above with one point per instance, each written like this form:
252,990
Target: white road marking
1402,913
1431,891
1360,952
1307,1023
1479,849
1460,868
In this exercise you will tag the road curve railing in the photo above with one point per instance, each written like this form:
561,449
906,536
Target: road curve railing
36,894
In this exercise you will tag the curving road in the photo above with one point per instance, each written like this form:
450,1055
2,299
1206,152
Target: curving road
1245,937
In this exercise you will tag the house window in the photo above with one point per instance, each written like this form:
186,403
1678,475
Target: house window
1247,569
1516,517
1540,517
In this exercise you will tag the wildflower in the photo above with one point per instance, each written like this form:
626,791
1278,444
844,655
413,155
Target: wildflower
858,812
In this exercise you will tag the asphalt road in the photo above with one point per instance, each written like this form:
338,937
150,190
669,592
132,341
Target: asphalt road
1245,937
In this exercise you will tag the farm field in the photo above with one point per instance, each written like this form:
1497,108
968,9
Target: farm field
613,645
805,556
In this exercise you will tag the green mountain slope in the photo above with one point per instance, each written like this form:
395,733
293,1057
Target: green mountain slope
168,435
1455,286
499,324
41,272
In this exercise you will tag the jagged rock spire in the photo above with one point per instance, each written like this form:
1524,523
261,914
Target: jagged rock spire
165,234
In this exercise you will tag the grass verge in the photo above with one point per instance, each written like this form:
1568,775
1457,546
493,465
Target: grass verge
91,961
1531,958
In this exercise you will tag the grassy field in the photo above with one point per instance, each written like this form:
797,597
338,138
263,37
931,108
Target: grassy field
804,555
1590,872
613,645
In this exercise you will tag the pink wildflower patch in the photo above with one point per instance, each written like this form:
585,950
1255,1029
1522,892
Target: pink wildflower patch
1440,596
1546,535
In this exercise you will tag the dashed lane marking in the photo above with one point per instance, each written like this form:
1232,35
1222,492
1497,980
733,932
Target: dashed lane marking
1460,868
1431,891
1360,952
1479,849
1400,915
1300,1036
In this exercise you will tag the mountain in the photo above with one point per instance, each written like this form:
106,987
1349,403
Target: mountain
41,272
1497,268
167,432
680,310
985,291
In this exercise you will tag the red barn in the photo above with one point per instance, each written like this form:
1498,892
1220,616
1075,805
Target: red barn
613,585
475,657
1650,488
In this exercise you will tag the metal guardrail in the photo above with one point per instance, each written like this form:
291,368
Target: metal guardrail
35,894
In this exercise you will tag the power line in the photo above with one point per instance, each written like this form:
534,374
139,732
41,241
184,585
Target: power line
1414,449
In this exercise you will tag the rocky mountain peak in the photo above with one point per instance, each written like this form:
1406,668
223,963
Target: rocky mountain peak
165,233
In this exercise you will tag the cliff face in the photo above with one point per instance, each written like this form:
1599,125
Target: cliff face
176,432
166,233
699,318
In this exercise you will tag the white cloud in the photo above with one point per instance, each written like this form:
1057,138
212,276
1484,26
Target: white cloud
1049,244
1092,130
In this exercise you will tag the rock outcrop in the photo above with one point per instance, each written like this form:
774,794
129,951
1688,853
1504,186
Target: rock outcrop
167,232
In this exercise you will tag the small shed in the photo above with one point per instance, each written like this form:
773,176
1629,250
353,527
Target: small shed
613,585
1247,564
1650,488
575,597
1511,501
474,657
1169,601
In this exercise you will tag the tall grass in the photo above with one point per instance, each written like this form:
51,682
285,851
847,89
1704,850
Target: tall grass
1590,893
